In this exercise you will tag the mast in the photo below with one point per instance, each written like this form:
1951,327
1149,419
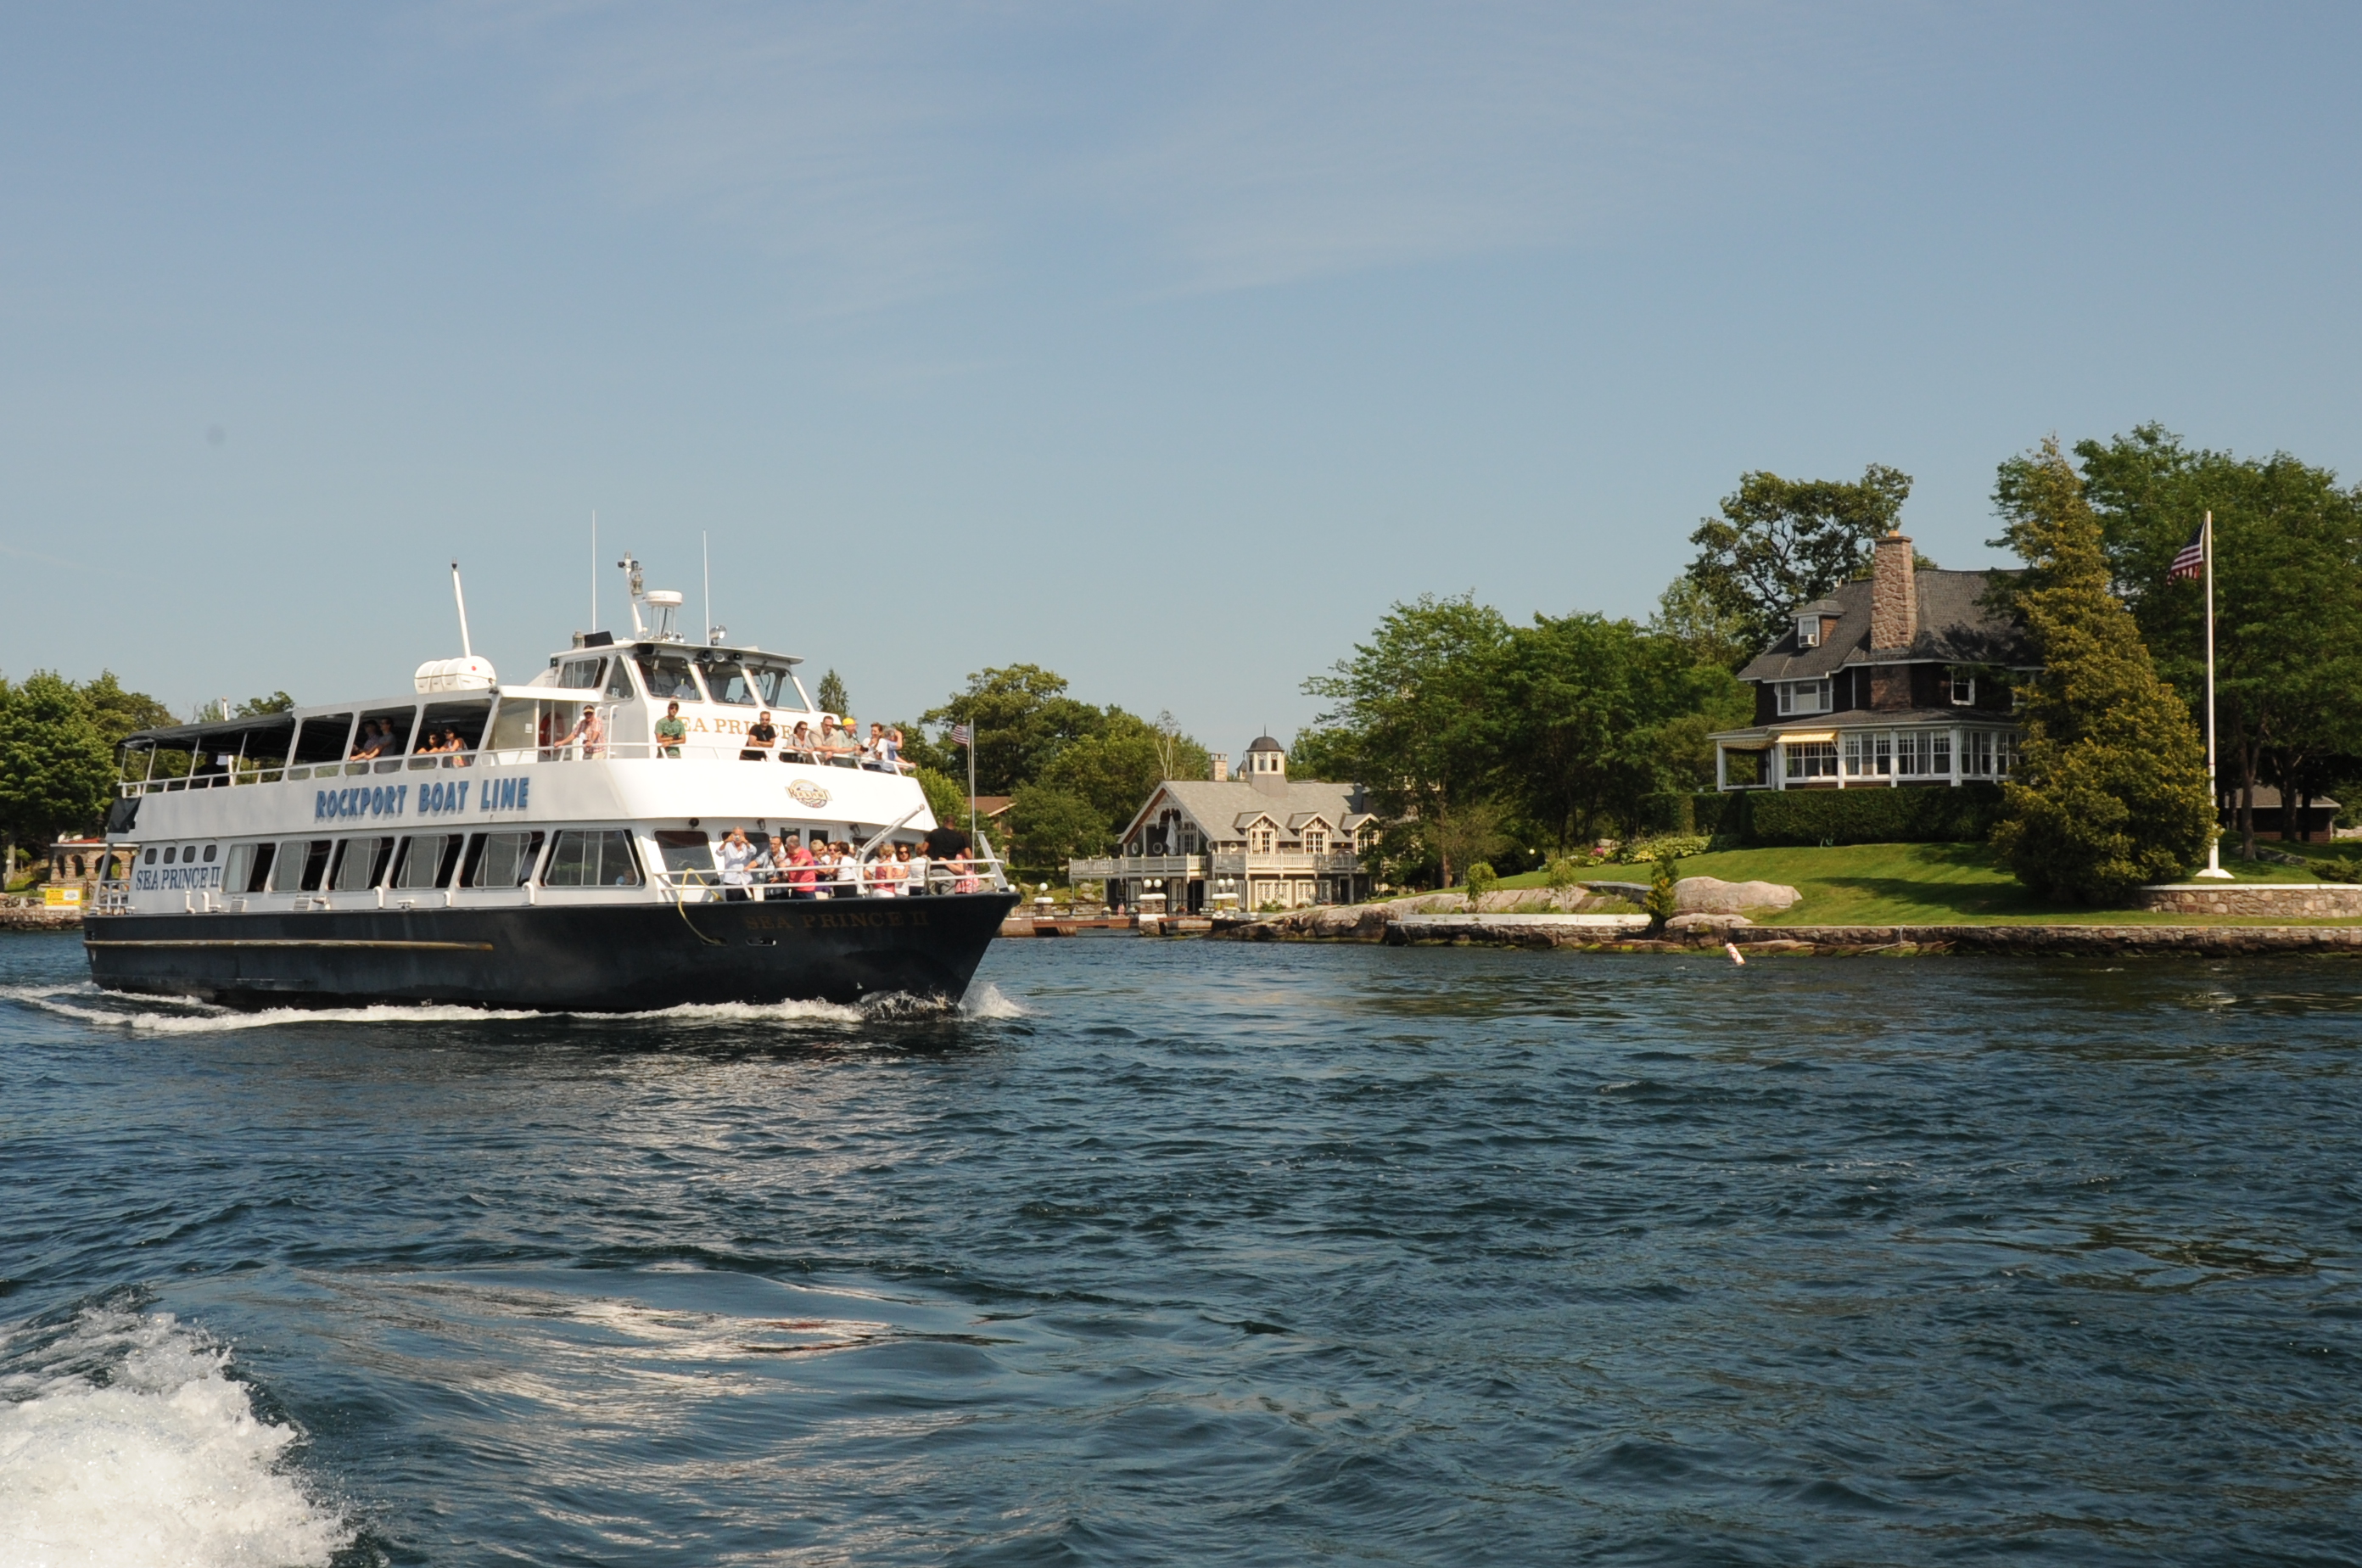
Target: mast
459,594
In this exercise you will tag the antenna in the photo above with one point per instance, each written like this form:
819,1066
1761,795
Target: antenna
706,551
594,569
461,595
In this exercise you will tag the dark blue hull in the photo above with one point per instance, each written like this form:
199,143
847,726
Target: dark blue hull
589,958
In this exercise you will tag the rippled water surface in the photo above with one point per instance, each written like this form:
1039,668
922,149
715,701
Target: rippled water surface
1198,1254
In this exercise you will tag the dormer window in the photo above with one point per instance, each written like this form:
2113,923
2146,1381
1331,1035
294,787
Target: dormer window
1808,631
1964,691
1803,697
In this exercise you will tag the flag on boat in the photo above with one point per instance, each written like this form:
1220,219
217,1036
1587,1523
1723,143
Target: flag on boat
2192,562
963,735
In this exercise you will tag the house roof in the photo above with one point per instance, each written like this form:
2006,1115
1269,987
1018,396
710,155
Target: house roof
1955,627
1264,743
992,805
1222,810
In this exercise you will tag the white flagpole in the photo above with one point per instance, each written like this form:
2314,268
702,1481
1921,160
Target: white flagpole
2213,795
971,781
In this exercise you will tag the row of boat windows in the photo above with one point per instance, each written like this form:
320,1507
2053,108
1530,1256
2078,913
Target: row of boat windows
571,858
689,678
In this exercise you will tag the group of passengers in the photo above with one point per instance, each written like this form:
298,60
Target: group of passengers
836,743
380,738
788,867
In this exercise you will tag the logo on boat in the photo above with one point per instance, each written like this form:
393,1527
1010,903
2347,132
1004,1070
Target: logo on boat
507,794
383,800
804,792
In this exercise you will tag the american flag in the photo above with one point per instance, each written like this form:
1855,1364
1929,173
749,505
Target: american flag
2192,562
963,735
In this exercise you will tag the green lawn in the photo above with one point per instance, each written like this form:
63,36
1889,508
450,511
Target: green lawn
1918,884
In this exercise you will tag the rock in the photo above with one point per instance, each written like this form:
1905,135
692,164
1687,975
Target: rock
1714,924
1712,895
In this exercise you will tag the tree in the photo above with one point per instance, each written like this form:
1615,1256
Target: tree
1420,702
946,797
1712,634
1022,718
2288,585
118,712
1048,827
56,769
1781,543
1116,769
2110,789
255,707
832,696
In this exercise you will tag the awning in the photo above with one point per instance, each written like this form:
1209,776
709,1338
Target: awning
1815,736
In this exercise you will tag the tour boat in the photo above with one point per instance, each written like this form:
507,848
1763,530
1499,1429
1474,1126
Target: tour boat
479,842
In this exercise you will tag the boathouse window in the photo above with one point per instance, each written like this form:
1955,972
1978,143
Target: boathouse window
592,858
668,676
582,674
502,860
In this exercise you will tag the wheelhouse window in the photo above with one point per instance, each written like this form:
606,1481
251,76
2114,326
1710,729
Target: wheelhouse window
1811,759
668,676
582,674
592,858
1797,697
728,680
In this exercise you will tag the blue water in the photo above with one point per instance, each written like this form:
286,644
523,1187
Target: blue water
1193,1253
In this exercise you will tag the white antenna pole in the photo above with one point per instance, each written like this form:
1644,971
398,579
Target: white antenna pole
459,594
594,569
706,551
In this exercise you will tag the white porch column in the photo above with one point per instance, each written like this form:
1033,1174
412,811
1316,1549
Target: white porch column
1893,760
1956,757
1721,768
1839,745
1779,754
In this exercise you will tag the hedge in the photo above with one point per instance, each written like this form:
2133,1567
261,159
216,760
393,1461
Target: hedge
1912,814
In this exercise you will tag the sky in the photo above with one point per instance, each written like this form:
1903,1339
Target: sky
1167,347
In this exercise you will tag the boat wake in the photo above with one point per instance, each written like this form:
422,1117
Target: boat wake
176,1015
123,1439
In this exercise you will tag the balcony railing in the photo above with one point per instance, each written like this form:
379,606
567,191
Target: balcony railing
489,756
1234,863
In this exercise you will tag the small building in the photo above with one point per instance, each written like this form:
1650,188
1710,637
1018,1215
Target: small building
2312,821
1245,843
1907,678
82,863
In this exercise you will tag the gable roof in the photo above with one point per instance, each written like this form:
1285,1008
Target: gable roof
1955,627
1219,810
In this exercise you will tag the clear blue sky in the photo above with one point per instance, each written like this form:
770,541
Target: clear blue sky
1165,346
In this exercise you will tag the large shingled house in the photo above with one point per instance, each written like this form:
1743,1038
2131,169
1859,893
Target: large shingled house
1904,679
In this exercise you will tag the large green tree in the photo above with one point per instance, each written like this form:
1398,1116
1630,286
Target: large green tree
1048,827
1777,543
1115,768
1421,701
2288,586
2110,789
1022,718
57,768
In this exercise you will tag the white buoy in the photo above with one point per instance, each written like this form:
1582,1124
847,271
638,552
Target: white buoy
1732,948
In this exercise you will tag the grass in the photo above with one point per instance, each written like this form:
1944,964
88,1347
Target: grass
1929,884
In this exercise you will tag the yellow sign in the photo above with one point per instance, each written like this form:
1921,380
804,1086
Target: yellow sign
55,897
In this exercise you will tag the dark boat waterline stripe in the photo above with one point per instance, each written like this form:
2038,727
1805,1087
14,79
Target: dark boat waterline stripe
283,942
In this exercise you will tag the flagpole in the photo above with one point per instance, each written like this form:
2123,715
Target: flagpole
2213,795
971,782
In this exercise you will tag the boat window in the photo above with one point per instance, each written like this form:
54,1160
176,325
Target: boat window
303,866
668,676
512,726
248,869
422,857
582,674
686,851
152,857
592,858
321,738
467,720
209,853
504,860
776,684
619,679
397,719
360,861
730,680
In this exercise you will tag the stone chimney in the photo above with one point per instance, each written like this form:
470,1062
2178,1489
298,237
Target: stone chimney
1894,595
1221,767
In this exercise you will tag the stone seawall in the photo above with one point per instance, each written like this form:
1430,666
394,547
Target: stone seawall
2287,900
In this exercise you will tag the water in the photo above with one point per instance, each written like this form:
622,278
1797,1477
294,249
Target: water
1199,1253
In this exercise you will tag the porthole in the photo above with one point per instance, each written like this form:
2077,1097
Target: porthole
168,853
188,853
152,857
209,853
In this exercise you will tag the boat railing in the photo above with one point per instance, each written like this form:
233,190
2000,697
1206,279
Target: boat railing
112,896
507,756
874,878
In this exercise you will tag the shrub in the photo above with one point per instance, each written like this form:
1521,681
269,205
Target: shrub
1914,814
1563,873
1714,815
1482,878
1677,846
1660,905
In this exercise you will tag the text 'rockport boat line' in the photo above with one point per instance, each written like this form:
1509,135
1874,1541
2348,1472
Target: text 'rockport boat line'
551,845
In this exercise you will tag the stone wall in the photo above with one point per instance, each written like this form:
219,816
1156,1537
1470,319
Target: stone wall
2284,900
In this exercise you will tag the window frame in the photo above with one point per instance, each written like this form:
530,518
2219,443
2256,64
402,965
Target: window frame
1958,681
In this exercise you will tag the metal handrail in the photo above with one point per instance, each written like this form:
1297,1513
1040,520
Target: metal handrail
869,880
505,756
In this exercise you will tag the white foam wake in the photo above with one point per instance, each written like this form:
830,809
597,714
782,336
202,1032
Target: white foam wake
123,1441
986,1001
176,1015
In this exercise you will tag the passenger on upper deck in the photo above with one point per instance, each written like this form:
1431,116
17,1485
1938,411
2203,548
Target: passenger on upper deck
761,735
799,744
372,740
670,731
589,732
